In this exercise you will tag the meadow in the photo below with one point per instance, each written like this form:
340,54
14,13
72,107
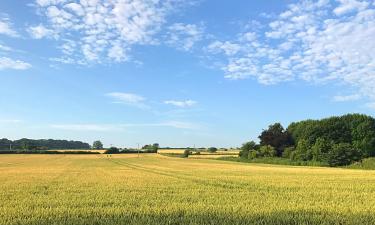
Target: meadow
155,189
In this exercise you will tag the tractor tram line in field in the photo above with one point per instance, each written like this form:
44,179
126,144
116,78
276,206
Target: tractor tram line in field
215,183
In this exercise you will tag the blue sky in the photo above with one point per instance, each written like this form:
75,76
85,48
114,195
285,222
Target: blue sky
181,73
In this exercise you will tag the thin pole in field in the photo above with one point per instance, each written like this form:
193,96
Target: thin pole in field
138,149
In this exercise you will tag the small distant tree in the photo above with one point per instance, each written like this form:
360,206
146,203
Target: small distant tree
267,151
212,149
186,153
97,145
246,147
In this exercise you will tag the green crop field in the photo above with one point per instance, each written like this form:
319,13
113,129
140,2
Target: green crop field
154,189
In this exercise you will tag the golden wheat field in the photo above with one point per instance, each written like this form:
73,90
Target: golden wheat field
155,189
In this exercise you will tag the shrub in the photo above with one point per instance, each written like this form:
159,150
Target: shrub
112,150
287,152
267,151
212,149
343,154
253,154
246,147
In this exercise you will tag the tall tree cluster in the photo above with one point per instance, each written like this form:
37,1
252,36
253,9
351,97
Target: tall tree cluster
338,140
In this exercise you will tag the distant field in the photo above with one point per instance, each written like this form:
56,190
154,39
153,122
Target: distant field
154,189
75,150
219,152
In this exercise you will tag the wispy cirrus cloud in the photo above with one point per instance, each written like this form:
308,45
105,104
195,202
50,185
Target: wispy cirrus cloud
186,103
128,99
120,127
7,62
318,41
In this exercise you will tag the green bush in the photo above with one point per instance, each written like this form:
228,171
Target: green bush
253,154
246,147
343,154
287,152
267,151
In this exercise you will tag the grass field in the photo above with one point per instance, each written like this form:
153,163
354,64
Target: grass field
154,189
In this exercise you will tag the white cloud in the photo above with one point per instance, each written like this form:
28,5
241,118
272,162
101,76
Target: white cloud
104,30
346,98
315,41
226,47
347,6
184,36
187,103
6,28
39,32
128,99
8,63
5,48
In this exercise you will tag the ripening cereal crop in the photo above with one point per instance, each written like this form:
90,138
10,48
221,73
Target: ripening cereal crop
155,189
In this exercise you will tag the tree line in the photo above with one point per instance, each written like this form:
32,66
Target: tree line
41,144
336,141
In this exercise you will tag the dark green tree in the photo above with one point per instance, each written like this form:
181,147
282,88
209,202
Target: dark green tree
97,145
277,137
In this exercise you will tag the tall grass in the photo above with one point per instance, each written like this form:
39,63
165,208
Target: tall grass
365,164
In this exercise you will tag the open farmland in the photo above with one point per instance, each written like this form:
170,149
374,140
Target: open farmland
154,189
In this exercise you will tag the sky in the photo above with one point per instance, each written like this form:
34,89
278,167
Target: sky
180,72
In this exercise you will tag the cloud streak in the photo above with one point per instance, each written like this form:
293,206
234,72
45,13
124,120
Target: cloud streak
182,104
128,99
121,127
